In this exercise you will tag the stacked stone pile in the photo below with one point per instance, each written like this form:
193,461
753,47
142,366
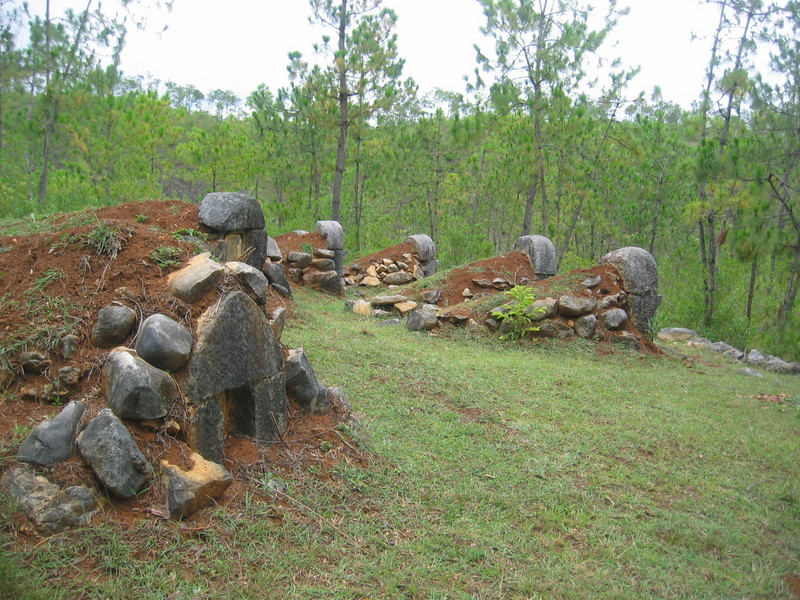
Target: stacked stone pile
410,261
599,307
320,267
196,382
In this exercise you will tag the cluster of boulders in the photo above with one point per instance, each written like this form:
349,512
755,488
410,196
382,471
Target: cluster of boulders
593,311
753,358
319,268
390,271
229,377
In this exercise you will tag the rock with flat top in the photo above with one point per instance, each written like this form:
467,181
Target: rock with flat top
188,491
199,275
227,211
50,442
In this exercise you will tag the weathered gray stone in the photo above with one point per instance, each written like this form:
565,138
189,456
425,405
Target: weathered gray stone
592,281
606,301
431,296
332,232
111,452
543,308
553,329
134,389
574,306
253,279
613,319
430,268
339,256
255,248
792,368
207,429
302,384
68,378
774,363
227,211
585,326
398,278
44,504
676,334
328,282
50,442
188,491
755,357
278,322
734,354
324,253
426,249
113,326
299,260
199,275
163,342
639,273
276,275
721,347
389,322
237,363
541,253
422,320
324,264
69,345
273,250
387,299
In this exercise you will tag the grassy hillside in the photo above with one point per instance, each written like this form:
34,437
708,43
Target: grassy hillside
496,470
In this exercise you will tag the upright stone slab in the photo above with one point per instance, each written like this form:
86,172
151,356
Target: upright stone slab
334,239
237,225
541,252
236,364
639,273
302,384
426,251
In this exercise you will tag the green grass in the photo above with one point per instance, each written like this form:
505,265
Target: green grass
499,470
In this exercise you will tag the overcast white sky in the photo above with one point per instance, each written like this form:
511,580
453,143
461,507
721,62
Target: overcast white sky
238,44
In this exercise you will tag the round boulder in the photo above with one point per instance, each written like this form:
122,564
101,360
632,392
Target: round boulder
164,343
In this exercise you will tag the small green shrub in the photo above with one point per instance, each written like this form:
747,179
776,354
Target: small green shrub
166,256
514,314
307,248
141,218
182,233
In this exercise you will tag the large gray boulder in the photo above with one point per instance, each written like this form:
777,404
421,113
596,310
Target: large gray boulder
426,249
302,384
575,306
639,273
134,389
227,211
237,364
328,282
273,250
163,342
541,252
110,450
422,320
332,232
45,504
613,318
114,324
51,441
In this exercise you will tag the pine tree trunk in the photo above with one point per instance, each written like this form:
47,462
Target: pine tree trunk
341,149
751,289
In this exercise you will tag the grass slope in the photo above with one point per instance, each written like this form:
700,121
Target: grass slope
500,470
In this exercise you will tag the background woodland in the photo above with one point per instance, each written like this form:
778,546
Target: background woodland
536,144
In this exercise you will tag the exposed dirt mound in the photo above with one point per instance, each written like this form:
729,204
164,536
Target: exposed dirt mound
394,253
54,284
292,242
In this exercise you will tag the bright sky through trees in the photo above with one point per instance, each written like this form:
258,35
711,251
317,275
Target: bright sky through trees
240,44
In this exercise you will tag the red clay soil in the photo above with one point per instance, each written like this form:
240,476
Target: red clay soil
83,282
291,242
393,253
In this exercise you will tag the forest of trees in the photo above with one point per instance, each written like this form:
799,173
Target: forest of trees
532,146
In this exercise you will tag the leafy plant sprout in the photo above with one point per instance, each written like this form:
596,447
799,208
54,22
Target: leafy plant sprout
515,314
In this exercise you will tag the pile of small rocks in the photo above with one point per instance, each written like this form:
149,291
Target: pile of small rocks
322,268
388,271
753,358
